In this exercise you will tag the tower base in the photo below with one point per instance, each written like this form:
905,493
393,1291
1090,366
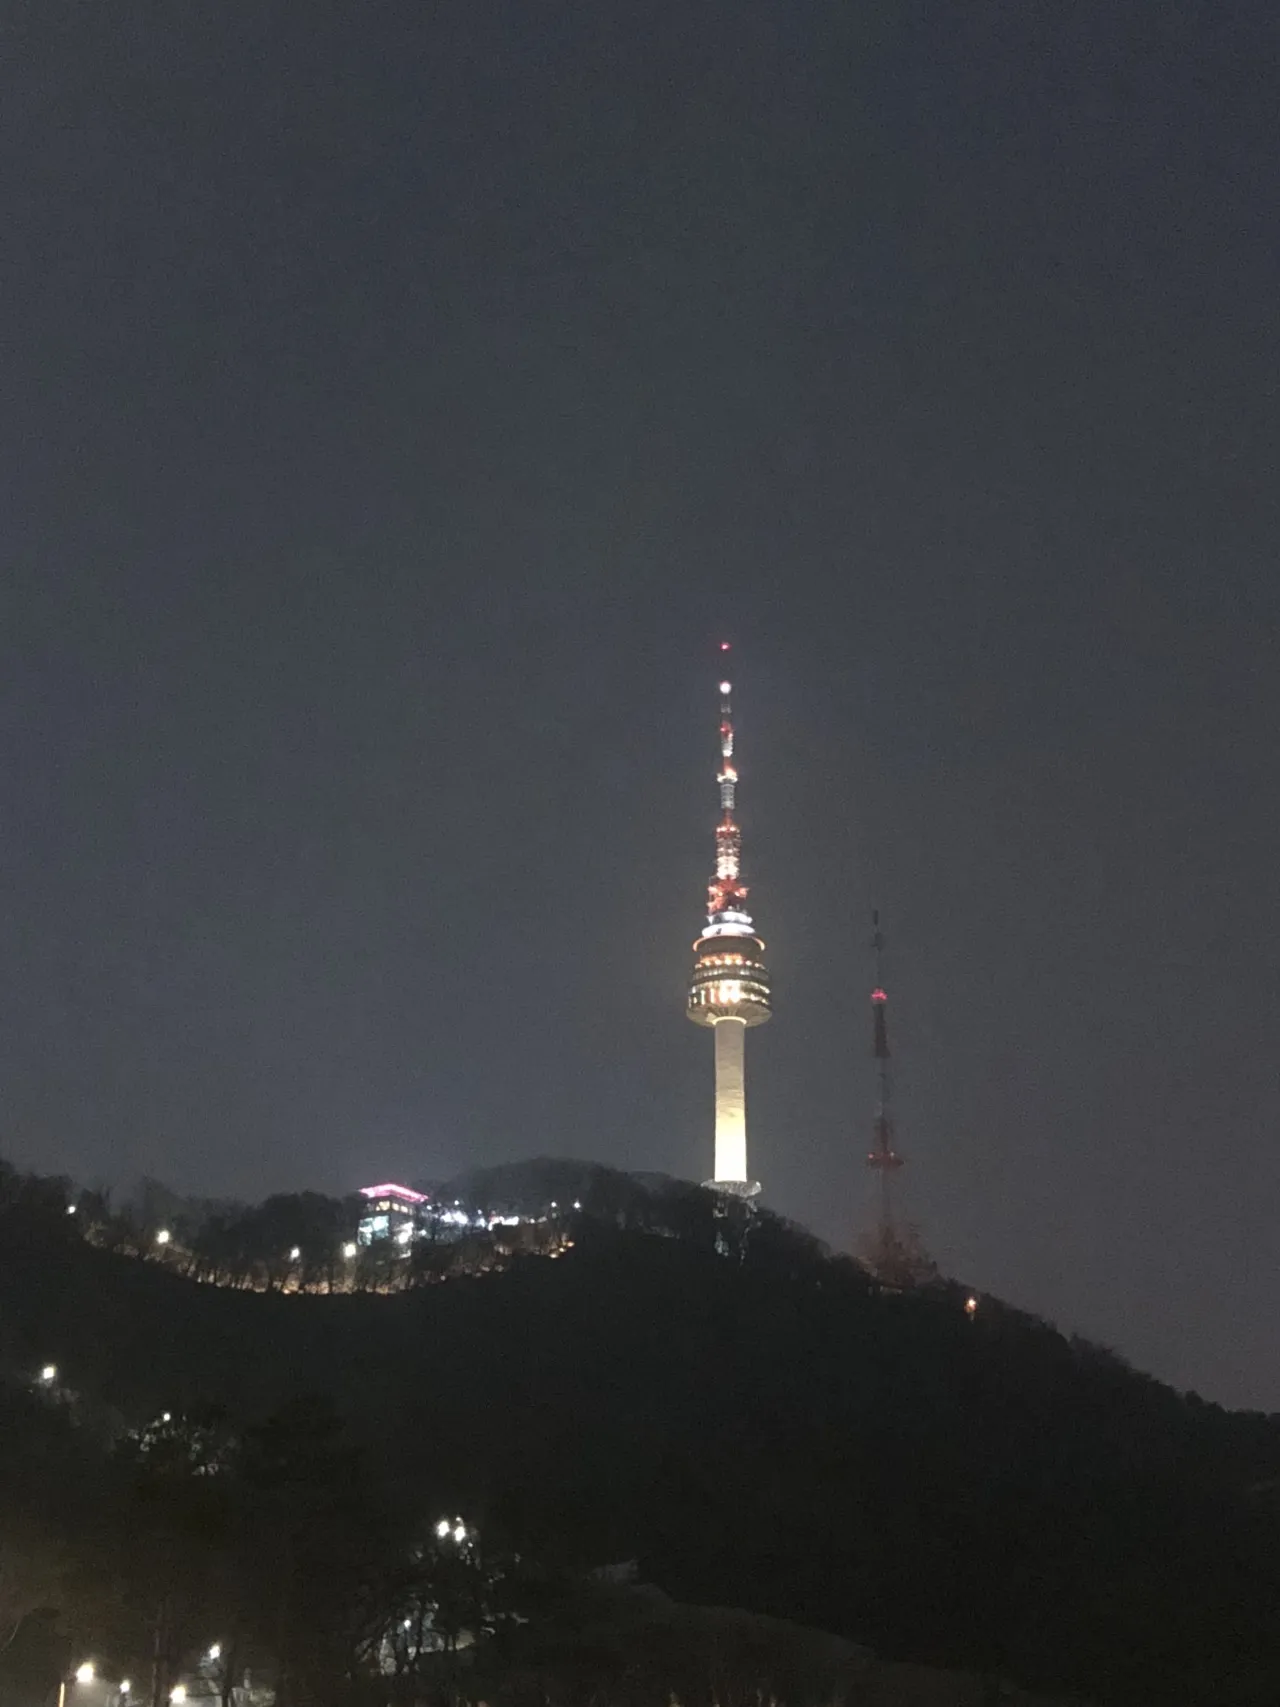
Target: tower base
894,1256
733,1187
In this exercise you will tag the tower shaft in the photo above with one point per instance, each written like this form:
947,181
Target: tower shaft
731,1102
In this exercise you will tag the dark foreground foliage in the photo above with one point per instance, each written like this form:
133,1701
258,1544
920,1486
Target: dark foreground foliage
746,1417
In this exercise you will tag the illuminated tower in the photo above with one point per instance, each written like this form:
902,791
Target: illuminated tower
893,1252
729,990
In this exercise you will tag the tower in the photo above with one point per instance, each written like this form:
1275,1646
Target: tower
893,1251
729,990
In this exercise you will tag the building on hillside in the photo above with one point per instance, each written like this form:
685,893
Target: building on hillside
391,1212
402,1215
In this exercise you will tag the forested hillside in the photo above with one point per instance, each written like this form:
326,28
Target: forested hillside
756,1426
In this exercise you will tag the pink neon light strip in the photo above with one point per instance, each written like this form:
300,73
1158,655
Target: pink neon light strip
393,1191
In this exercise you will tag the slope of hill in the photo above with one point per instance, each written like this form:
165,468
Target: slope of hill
767,1432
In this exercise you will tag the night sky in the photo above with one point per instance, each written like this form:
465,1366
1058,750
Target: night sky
401,400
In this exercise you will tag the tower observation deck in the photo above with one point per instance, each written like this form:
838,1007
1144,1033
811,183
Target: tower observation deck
729,989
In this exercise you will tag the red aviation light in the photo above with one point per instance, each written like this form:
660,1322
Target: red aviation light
724,645
878,995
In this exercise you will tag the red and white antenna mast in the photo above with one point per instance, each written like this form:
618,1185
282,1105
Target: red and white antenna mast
893,1252
882,1157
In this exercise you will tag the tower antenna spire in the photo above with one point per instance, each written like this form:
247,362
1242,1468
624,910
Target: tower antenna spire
729,990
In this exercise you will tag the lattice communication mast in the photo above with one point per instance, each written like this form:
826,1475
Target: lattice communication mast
893,1251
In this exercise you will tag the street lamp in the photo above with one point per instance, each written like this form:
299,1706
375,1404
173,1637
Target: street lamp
295,1253
163,1236
178,1694
49,1374
348,1251
82,1674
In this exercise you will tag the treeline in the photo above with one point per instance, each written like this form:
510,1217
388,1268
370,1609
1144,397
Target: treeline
752,1420
308,1242
194,1553
272,1564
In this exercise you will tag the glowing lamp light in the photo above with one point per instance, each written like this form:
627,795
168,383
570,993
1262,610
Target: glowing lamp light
879,996
85,1672
442,1528
163,1236
724,645
125,1686
49,1373
460,1534
971,1306
348,1250
71,1209
726,687
295,1252
215,1652
178,1694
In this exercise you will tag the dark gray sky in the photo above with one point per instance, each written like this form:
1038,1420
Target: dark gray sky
398,402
